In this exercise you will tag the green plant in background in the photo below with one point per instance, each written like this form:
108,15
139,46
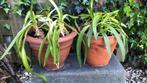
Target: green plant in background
17,6
21,6
62,4
100,24
55,27
99,5
111,5
135,17
5,6
145,57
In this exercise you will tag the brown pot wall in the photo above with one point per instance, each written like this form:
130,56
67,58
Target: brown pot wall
64,43
97,53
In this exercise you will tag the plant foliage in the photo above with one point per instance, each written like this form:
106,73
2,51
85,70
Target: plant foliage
101,24
55,26
135,17
5,6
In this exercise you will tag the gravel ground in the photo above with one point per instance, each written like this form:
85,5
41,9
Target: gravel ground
136,75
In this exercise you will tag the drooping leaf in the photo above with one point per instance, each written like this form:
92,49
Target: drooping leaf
40,76
14,40
57,9
46,55
40,49
107,44
25,60
120,42
85,49
79,43
55,44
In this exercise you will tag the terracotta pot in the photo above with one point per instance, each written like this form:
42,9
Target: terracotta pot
65,45
97,53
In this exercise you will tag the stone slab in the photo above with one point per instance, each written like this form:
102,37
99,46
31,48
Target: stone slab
72,73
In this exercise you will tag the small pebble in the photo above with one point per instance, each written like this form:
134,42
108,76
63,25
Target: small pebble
24,76
135,75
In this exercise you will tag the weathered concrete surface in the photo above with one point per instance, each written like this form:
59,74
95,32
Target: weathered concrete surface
72,73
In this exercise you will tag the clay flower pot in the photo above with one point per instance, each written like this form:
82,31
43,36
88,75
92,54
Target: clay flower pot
97,53
64,43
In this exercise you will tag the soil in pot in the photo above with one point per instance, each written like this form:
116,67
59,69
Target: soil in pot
97,53
65,44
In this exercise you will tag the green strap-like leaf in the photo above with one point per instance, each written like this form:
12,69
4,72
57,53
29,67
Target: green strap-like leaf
51,12
55,43
57,9
27,17
107,44
57,46
18,44
124,38
79,43
77,26
14,40
40,49
84,16
95,21
23,55
46,55
67,15
33,17
40,76
72,28
120,42
89,36
85,49
28,68
91,10
24,60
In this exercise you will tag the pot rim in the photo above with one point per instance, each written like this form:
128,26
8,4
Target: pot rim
99,37
61,39
100,40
